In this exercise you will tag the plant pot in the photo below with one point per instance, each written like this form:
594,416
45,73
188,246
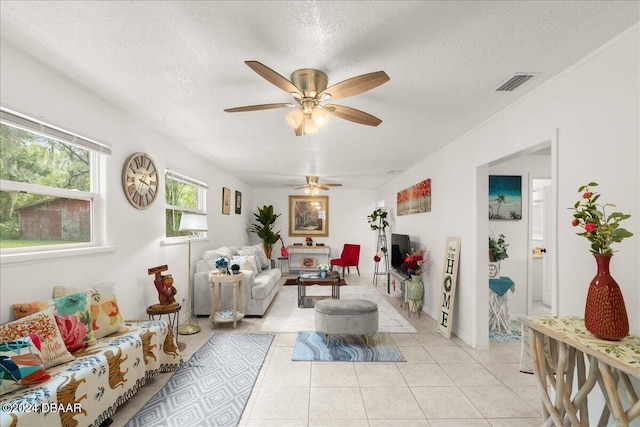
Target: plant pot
605,314
323,274
494,270
415,288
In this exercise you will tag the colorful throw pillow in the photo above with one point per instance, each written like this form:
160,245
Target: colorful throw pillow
106,318
72,316
43,324
258,252
21,364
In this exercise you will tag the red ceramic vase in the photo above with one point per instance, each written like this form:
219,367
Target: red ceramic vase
605,314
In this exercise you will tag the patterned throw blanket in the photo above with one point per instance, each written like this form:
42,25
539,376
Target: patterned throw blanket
87,390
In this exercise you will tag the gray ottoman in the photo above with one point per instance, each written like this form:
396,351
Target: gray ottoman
346,317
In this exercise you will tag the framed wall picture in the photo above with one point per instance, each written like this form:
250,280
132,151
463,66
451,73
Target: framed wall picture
226,201
238,202
415,199
505,197
309,216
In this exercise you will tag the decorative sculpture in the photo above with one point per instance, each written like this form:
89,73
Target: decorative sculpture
165,288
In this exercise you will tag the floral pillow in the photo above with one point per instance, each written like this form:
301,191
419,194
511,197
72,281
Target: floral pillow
21,364
247,263
43,324
72,316
106,318
258,252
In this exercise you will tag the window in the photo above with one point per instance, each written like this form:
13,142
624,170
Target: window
48,186
183,194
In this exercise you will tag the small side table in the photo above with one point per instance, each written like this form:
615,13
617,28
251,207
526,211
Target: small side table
281,260
217,281
498,309
173,315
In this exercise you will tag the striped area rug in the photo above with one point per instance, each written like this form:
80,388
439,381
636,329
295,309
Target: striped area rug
312,346
212,388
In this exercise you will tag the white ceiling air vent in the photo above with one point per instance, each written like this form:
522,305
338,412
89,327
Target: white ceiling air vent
514,82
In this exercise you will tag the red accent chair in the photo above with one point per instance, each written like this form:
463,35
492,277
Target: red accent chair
350,257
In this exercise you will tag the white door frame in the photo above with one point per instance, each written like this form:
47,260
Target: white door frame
482,176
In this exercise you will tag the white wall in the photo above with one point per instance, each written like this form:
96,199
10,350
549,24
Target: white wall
348,211
595,108
135,235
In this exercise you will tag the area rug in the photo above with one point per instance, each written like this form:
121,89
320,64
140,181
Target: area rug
312,346
513,336
284,315
212,388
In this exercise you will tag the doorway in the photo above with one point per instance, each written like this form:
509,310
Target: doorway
538,161
539,299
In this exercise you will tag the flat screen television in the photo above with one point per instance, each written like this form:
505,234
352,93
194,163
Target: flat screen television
400,248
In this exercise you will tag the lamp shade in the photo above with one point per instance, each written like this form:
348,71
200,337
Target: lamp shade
193,222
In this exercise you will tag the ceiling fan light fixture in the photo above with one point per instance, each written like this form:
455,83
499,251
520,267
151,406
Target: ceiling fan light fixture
320,117
308,126
294,118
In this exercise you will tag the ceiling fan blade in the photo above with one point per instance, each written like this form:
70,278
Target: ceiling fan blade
353,115
356,85
273,77
332,185
259,107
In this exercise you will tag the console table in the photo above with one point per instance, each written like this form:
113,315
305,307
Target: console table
610,364
297,253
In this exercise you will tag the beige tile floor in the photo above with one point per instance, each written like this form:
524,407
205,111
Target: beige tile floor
443,383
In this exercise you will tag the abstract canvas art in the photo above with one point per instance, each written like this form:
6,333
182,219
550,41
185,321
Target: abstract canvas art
415,199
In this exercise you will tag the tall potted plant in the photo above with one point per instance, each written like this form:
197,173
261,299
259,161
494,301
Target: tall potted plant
263,227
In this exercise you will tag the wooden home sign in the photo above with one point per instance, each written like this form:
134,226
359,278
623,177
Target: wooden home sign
449,280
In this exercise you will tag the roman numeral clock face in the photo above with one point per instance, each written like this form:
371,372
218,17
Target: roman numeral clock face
140,180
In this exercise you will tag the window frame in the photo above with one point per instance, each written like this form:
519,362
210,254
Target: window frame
201,209
95,196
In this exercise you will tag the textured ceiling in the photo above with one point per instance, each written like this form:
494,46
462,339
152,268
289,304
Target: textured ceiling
174,66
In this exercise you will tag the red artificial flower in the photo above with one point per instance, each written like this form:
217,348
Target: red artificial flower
589,227
575,222
587,194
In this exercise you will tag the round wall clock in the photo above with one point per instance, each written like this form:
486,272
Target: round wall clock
140,180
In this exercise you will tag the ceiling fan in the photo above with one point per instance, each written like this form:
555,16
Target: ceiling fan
313,186
309,88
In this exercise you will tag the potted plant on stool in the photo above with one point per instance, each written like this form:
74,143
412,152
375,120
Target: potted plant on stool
497,252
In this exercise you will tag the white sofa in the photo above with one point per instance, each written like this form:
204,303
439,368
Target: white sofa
258,287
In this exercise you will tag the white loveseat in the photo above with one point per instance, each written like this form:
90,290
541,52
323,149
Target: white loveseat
259,287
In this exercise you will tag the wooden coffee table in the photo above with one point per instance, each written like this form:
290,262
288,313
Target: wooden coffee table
333,279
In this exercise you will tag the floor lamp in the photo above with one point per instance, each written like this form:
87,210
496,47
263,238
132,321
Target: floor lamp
193,223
